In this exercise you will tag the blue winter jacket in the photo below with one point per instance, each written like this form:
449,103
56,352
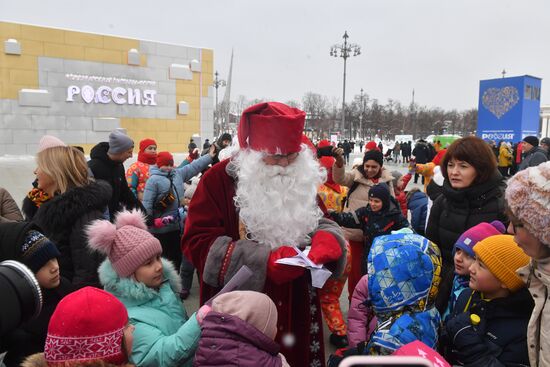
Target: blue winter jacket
164,335
158,185
418,205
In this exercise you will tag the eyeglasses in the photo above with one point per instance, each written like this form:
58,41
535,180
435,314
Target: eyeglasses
516,225
277,158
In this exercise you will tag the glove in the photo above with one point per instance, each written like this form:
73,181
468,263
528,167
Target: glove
281,273
324,248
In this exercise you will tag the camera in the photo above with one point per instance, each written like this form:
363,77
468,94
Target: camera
325,152
21,296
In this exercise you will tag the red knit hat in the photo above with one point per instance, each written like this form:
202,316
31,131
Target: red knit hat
145,143
165,159
371,145
86,325
271,127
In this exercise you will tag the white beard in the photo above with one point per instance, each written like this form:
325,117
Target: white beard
278,205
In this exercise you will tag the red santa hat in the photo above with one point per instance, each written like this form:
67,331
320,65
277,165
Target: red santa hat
272,127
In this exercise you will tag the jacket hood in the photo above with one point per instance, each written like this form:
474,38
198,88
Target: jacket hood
224,326
154,170
403,274
12,236
132,291
58,213
100,152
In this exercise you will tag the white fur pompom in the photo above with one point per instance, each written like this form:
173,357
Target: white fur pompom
101,235
131,218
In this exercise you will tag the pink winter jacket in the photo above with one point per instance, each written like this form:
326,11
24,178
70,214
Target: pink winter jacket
361,320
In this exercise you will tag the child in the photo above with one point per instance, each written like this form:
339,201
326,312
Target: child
240,331
399,183
488,326
22,242
148,286
403,279
417,204
528,200
464,257
88,328
381,216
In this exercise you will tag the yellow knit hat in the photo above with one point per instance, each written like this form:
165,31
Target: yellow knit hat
503,257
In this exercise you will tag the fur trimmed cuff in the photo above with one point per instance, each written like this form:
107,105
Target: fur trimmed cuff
226,257
334,229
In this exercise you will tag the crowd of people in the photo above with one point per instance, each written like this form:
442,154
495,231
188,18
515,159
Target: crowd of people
459,270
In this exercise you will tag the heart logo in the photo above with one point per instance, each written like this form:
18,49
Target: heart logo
87,93
500,100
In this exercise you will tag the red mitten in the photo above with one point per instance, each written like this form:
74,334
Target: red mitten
281,273
324,248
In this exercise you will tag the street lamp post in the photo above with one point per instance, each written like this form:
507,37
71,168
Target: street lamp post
361,116
218,83
344,51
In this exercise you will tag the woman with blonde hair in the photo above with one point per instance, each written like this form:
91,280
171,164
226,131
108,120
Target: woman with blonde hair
74,201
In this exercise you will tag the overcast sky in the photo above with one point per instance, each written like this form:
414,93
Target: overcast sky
441,48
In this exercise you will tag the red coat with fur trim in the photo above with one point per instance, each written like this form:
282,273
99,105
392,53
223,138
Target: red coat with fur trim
212,220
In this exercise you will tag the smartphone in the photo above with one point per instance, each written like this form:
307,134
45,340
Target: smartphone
325,151
385,361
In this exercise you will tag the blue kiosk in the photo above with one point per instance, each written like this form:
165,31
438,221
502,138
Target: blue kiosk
509,108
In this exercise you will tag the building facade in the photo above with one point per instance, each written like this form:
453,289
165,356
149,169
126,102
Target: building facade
80,86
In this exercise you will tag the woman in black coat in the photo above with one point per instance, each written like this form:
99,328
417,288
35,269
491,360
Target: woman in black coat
472,193
74,202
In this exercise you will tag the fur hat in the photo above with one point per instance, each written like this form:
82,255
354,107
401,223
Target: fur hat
119,142
528,197
49,141
37,250
472,236
533,140
255,308
374,155
86,325
165,159
127,243
503,257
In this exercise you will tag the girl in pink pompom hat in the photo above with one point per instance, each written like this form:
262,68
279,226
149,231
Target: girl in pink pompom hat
148,286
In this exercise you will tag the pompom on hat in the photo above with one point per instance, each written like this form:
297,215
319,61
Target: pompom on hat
528,198
127,243
371,145
87,325
49,141
271,127
503,257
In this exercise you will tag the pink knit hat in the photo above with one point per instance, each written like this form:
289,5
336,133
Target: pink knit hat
49,141
528,197
127,243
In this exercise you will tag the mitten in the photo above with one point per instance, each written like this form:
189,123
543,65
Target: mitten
281,273
202,312
324,248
